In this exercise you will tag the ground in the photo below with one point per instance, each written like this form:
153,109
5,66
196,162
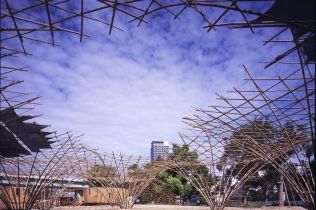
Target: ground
171,207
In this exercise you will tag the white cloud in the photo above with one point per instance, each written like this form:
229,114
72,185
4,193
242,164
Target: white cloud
133,87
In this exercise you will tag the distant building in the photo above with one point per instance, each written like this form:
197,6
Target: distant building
159,148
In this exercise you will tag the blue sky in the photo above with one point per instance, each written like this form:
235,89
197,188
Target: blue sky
129,88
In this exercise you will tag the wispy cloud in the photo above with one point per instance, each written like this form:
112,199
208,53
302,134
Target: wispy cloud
133,87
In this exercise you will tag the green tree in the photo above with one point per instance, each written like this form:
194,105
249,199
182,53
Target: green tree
263,131
159,158
270,178
175,184
191,168
157,188
260,130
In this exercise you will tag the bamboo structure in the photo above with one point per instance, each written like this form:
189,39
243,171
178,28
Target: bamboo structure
21,22
38,179
275,121
35,165
120,179
269,124
217,181
157,192
273,124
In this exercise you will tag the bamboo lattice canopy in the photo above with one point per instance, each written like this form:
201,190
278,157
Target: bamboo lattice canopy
294,103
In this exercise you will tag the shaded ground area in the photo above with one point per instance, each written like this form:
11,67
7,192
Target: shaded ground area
172,207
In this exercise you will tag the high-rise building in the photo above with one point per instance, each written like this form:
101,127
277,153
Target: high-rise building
159,148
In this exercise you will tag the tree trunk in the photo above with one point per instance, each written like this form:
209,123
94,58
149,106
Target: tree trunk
245,192
265,194
188,202
281,196
245,200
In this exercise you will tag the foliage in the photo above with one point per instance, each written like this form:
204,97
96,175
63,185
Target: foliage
157,188
309,151
188,161
102,171
158,192
175,184
159,158
260,130
187,189
133,167
263,131
183,154
135,171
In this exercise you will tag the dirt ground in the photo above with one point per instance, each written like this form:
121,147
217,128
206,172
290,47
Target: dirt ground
171,207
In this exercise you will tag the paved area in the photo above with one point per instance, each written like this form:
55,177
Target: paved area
172,207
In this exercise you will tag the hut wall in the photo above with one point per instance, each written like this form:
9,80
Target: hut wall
98,195
16,196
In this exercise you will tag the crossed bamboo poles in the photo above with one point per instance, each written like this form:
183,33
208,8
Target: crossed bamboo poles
23,22
32,160
287,107
293,104
119,178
